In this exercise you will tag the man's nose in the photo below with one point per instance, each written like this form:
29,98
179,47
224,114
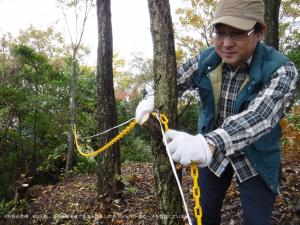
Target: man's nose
227,41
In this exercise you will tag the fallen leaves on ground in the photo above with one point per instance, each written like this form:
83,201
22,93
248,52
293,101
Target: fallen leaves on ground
74,201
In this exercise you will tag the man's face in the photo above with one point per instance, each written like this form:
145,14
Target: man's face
235,46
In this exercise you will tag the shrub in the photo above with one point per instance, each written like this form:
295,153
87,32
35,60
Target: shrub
135,149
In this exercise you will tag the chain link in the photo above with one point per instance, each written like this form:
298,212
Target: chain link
106,146
195,175
196,194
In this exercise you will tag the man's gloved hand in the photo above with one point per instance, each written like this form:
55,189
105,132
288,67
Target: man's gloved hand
143,110
186,148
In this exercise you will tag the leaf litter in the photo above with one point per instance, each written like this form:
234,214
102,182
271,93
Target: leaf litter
75,200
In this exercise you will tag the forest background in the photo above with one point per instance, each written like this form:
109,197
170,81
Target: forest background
38,85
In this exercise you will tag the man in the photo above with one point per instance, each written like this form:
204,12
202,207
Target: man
244,87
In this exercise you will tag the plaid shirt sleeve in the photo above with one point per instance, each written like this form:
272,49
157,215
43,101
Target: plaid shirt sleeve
263,113
185,73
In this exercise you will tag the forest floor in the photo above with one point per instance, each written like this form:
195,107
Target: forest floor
74,201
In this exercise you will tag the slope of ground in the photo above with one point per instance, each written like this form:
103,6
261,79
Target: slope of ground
74,201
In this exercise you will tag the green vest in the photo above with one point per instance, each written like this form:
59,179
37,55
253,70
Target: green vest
264,154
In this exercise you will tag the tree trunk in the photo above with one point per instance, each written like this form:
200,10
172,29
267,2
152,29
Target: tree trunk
33,164
78,9
271,19
109,161
3,45
168,200
21,160
70,158
6,125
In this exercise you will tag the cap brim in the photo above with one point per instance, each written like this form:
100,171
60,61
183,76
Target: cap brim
236,22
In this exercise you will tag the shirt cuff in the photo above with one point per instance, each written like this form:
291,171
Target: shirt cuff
221,139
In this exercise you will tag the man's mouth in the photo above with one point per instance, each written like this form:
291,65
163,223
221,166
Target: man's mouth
228,54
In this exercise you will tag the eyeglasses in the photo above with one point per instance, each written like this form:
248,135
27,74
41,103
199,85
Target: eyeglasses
235,36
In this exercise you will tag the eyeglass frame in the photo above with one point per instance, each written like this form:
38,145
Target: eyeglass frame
231,35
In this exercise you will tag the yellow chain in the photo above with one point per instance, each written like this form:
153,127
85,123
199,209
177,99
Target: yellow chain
194,174
196,194
106,146
164,121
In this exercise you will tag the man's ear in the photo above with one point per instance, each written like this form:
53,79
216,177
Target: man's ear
262,32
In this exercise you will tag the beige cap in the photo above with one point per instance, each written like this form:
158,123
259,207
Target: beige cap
241,14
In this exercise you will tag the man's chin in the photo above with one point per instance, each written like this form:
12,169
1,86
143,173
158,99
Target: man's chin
230,61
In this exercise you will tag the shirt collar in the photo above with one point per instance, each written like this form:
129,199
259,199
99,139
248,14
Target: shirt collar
244,66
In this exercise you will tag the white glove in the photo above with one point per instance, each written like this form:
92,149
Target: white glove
186,148
143,110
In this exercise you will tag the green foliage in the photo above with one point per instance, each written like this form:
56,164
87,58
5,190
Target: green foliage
12,207
188,120
294,117
294,55
5,207
128,181
135,149
85,165
289,25
290,126
36,97
86,102
8,167
55,162
192,32
131,190
188,112
33,99
47,42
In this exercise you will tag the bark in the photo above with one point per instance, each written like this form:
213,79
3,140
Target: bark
75,46
72,116
272,21
109,161
33,165
21,160
3,60
7,123
152,126
168,200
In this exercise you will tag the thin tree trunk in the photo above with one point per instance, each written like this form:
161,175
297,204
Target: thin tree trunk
75,43
168,200
272,21
22,161
70,158
6,127
3,61
33,164
109,161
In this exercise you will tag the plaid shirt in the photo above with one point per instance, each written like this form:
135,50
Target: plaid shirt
235,131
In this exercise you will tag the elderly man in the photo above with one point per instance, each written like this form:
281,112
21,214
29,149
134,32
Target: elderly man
244,87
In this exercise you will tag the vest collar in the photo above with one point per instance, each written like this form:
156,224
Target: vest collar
255,72
212,60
